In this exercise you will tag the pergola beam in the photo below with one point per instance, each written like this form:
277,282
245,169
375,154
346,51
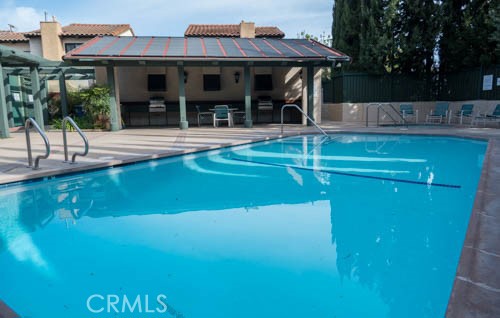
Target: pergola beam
8,99
35,91
4,123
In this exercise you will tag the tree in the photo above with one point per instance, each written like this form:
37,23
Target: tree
418,28
470,34
346,28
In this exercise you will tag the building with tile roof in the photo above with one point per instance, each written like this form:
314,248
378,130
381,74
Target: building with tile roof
233,30
52,40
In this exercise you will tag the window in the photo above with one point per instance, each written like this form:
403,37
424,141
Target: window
264,82
211,82
157,83
70,46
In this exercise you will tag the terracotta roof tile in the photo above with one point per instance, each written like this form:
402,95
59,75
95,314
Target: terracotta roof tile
79,29
9,36
230,30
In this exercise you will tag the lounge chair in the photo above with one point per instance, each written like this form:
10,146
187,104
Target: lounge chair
493,117
408,113
202,115
464,112
439,113
222,113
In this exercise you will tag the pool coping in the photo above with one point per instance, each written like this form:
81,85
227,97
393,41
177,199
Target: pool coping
476,286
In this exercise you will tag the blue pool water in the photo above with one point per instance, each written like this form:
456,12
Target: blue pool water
358,226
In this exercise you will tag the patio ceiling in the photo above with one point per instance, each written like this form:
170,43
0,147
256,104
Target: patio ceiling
199,49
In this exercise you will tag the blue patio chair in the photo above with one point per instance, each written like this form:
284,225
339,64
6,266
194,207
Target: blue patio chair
222,113
464,112
202,115
439,113
408,113
493,117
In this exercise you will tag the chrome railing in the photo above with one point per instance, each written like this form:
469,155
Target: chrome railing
380,106
303,113
30,122
66,120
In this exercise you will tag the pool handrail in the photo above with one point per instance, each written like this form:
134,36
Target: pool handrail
381,106
303,113
31,122
69,120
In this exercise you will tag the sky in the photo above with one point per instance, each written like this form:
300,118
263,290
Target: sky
157,17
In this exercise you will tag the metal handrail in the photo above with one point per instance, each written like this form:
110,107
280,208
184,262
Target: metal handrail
68,119
381,106
30,122
303,113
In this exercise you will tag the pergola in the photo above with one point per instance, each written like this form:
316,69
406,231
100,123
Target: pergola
15,62
180,52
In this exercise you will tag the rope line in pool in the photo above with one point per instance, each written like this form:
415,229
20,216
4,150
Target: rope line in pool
443,185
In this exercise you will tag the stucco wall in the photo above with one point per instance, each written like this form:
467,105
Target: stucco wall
23,46
36,46
356,112
133,83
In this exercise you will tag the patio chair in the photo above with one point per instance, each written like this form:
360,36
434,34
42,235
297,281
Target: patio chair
222,113
202,115
408,113
493,117
464,112
439,113
239,115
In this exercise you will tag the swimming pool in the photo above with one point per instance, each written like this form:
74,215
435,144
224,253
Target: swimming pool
356,226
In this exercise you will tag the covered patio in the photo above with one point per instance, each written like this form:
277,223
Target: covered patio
180,73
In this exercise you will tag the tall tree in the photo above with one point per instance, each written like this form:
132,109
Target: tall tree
468,36
346,28
418,30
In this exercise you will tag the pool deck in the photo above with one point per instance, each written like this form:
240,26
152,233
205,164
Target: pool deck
476,290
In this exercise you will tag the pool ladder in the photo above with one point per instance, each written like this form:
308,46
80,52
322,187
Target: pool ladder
303,113
30,122
69,120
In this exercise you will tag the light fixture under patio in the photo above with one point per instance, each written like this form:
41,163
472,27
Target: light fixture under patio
237,77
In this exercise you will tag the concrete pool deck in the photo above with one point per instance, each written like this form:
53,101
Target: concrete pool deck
476,290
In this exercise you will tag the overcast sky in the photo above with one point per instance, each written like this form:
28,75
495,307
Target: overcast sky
157,17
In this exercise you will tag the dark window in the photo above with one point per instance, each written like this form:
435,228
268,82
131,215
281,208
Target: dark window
157,83
264,82
211,82
70,46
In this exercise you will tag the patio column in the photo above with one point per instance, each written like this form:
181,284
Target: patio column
4,122
8,97
113,112
63,94
183,123
248,96
310,92
35,91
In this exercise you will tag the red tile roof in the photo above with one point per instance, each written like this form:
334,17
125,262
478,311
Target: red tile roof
90,30
230,30
9,36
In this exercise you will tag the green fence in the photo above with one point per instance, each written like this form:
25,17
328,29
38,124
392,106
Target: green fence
364,88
